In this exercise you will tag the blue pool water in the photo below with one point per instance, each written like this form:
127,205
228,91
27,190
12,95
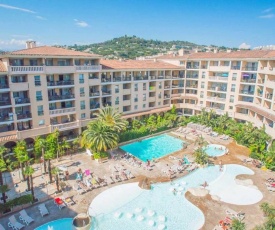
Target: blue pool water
154,147
214,150
179,213
65,223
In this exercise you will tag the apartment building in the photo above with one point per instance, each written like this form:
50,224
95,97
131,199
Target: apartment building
47,88
241,83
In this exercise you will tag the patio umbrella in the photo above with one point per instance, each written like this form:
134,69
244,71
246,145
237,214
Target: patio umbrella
144,183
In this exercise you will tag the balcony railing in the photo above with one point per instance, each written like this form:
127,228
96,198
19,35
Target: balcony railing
60,83
247,68
5,102
95,94
94,105
192,67
106,92
216,98
23,116
6,117
4,86
140,78
26,69
218,88
22,101
236,67
65,126
62,111
247,92
61,97
248,80
88,68
93,77
196,76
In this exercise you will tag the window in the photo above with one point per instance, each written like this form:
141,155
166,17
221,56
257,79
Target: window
230,107
159,103
233,88
181,63
39,96
203,75
82,105
82,92
144,86
116,88
64,62
144,97
202,85
117,101
41,122
40,111
83,115
33,62
136,87
77,62
201,102
49,62
160,85
234,76
136,98
37,81
144,106
136,107
81,78
231,98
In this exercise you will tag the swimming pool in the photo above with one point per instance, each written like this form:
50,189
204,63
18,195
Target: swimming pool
159,208
214,150
65,223
154,147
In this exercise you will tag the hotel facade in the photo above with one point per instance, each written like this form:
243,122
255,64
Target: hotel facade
47,88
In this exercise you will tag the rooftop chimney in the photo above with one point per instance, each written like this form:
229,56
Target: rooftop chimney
228,51
215,51
30,44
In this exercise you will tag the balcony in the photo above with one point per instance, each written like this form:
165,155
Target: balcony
216,98
247,92
26,69
61,97
60,83
106,92
59,69
192,67
152,88
249,68
235,67
88,68
195,76
6,117
5,102
140,78
25,116
65,126
219,68
4,87
94,105
217,88
248,80
63,111
19,101
216,78
177,86
95,94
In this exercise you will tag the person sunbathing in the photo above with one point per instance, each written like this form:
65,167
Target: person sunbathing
204,185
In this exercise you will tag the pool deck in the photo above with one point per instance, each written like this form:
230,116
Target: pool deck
213,210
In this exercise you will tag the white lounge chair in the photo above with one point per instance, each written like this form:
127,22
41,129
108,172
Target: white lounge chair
25,217
14,224
43,210
1,227
271,189
67,199
234,214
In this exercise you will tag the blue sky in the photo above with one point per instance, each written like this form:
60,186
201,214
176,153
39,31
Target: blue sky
67,22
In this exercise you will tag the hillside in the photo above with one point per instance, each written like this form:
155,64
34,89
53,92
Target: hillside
130,47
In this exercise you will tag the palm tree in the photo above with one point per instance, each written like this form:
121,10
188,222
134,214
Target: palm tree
112,118
21,154
55,172
4,189
201,157
237,224
29,171
40,145
200,141
63,146
99,137
3,165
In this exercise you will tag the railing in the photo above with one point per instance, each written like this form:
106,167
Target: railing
126,79
192,76
96,94
4,86
25,69
93,77
5,102
140,78
247,92
250,68
106,92
235,67
248,80
218,78
103,80
23,116
22,101
204,66
61,111
216,98
61,97
6,117
65,126
192,86
117,79
217,89
94,105
152,87
60,83
87,68
192,67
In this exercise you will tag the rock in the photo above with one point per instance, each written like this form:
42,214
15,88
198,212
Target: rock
198,191
214,197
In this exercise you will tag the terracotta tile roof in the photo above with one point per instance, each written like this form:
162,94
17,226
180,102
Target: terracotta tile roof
165,109
49,51
2,67
136,64
223,55
258,110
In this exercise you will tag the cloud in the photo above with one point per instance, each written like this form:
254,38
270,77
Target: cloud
17,8
267,16
267,10
244,46
40,18
81,23
15,44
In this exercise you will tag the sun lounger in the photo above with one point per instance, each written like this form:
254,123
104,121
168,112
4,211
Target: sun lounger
67,200
59,203
271,189
43,210
25,217
226,137
222,136
78,189
14,224
191,168
234,214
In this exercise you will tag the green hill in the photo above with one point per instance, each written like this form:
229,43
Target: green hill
130,47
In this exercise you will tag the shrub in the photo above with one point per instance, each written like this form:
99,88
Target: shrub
16,201
100,155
